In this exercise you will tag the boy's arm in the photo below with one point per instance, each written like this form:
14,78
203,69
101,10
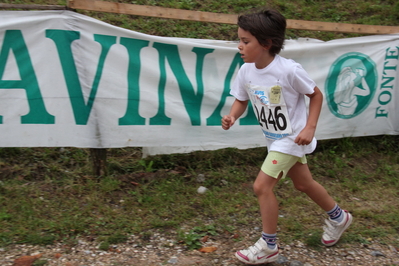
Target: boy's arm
237,109
306,135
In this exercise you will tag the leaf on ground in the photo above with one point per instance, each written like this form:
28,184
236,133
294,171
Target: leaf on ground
26,260
208,249
204,239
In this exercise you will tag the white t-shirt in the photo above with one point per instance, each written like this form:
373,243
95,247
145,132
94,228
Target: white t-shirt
277,95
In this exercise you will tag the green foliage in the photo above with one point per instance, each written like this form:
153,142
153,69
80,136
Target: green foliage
39,239
147,166
313,240
111,240
104,246
39,262
192,239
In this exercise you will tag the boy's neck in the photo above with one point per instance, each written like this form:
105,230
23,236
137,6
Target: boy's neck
265,61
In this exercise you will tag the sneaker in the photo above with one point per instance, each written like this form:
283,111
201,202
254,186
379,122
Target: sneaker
333,230
258,253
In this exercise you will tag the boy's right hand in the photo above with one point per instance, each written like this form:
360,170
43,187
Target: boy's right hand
228,121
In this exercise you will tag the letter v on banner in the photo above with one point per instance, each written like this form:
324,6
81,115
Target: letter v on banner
63,40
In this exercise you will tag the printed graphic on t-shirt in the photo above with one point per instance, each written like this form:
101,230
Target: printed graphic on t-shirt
270,110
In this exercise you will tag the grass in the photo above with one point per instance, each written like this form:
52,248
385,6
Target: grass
50,194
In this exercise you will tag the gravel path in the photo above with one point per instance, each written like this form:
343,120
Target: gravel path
162,249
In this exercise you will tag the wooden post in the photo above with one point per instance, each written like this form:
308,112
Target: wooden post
152,11
32,6
172,13
99,161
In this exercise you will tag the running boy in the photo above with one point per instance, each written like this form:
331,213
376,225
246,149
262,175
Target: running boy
276,87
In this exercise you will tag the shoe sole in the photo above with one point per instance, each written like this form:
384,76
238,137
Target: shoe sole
348,223
273,258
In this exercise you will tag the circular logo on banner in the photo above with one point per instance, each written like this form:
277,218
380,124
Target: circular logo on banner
351,85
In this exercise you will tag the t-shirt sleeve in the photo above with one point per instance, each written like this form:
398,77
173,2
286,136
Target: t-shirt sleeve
301,81
238,89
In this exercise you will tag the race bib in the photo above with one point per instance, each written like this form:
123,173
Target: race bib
270,110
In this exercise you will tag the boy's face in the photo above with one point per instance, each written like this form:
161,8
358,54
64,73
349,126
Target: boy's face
252,51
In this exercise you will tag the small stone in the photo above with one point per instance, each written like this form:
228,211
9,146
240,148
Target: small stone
392,248
173,260
296,263
281,260
202,190
377,254
200,178
352,253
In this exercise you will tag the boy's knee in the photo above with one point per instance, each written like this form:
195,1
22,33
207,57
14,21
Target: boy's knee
306,187
302,188
260,189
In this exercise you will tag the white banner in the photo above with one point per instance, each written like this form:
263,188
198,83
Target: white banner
70,80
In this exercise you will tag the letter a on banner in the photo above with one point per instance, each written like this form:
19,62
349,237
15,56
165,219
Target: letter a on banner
13,40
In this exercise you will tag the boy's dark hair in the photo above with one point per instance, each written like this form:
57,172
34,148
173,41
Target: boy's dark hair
266,25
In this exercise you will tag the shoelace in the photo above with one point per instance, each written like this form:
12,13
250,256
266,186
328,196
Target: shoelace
329,228
255,248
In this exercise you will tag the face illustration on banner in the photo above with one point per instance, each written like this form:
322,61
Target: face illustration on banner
351,85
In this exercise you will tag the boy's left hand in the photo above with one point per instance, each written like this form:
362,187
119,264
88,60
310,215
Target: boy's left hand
305,137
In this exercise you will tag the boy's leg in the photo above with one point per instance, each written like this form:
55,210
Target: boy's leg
263,188
261,252
275,167
304,182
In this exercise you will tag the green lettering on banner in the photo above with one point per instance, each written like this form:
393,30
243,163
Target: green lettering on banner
132,116
387,82
199,67
250,118
63,40
392,54
192,101
13,40
215,118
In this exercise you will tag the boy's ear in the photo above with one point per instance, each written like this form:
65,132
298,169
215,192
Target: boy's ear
268,45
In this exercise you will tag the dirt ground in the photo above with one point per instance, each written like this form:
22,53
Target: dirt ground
162,249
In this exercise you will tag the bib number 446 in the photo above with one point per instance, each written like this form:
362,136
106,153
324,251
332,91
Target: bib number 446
268,117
